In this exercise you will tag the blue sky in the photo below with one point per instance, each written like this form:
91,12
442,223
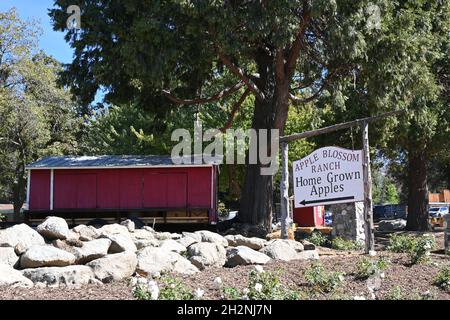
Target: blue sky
51,42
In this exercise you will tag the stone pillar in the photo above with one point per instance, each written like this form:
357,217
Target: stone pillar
348,221
447,232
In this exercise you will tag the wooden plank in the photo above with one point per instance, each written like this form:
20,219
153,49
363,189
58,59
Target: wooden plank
345,125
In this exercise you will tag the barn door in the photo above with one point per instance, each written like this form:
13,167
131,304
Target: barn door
165,190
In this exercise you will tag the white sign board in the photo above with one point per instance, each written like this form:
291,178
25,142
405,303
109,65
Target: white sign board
328,175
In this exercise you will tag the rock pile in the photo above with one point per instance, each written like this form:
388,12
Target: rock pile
54,255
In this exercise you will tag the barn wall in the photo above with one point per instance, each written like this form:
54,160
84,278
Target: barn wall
40,190
124,188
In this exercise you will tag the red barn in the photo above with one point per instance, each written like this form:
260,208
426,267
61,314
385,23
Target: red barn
123,186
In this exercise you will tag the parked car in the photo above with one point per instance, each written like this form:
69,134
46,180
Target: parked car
328,218
438,212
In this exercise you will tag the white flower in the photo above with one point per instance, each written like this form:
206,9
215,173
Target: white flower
245,291
258,287
153,289
259,269
133,282
218,282
199,293
141,280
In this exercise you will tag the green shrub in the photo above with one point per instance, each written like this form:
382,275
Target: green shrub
339,243
417,247
396,293
442,279
2,218
321,280
141,293
231,293
317,238
400,243
262,285
171,289
267,286
222,210
421,249
369,267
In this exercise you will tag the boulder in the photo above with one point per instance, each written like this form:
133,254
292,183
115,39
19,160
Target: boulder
129,224
308,245
86,233
91,250
8,256
115,228
243,255
12,277
146,243
392,225
187,241
208,236
69,276
121,243
21,236
54,228
167,235
308,255
285,250
197,237
142,234
172,245
239,240
67,244
46,256
207,254
114,267
153,261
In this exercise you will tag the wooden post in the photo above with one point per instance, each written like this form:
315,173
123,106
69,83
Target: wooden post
284,190
368,210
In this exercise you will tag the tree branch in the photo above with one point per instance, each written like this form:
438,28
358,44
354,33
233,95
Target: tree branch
234,110
222,94
294,52
238,72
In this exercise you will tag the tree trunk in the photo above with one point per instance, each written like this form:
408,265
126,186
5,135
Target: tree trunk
257,192
19,191
418,191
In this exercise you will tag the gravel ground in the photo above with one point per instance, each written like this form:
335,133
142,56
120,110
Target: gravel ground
414,281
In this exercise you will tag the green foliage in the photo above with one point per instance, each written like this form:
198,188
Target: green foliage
369,267
267,286
140,293
222,210
442,280
317,238
396,293
231,293
174,289
171,289
417,247
2,217
339,243
400,243
38,117
321,280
